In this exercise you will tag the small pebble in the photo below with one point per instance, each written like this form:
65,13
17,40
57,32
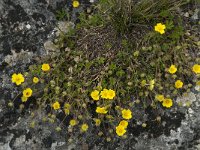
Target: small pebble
186,14
28,26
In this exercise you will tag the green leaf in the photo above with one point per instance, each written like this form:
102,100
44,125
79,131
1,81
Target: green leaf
169,24
112,66
120,73
101,60
112,81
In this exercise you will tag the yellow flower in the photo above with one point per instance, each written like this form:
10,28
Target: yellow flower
45,67
123,123
84,127
14,76
35,80
198,83
73,122
101,110
104,93
111,94
24,99
151,85
167,102
97,122
67,111
172,69
159,97
120,130
56,105
160,28
95,95
67,106
126,114
75,4
143,83
196,68
27,92
178,84
17,78
152,82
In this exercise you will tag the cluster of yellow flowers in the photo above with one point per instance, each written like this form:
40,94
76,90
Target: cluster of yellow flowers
74,122
67,107
195,68
126,113
105,93
151,84
121,128
173,69
166,102
19,79
26,94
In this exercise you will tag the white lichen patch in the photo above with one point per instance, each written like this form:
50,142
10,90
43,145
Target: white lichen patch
16,57
63,27
186,100
50,47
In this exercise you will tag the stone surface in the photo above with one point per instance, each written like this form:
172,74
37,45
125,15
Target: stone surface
25,25
27,29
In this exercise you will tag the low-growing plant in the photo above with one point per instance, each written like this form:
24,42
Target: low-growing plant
125,15
62,15
103,78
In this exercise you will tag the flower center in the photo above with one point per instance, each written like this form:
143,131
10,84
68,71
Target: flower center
167,102
17,79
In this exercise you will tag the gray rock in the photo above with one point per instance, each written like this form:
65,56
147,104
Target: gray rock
196,14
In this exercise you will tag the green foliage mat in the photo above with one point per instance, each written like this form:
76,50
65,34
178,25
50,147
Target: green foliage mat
118,48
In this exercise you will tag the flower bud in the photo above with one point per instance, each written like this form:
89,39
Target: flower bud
64,93
110,72
100,133
136,53
10,104
52,82
58,129
108,139
53,116
158,118
130,83
80,117
21,106
46,90
137,101
32,124
144,125
44,119
84,105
